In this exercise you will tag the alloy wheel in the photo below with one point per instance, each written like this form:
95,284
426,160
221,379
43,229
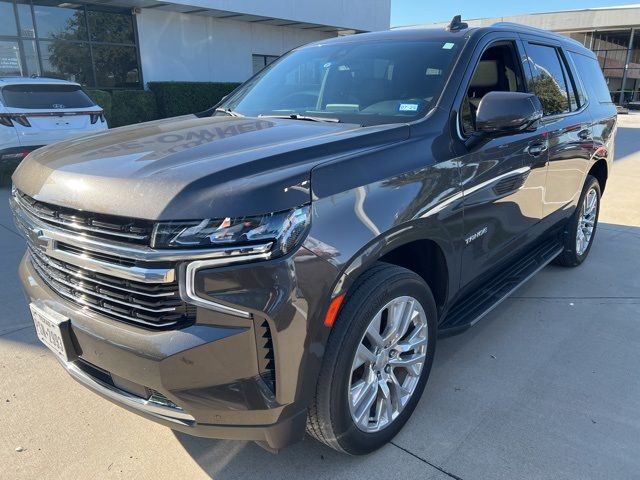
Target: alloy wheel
587,221
387,364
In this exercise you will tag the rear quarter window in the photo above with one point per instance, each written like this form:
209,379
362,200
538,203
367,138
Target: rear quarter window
45,97
592,77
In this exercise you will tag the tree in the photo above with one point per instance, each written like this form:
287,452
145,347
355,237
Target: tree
553,99
115,65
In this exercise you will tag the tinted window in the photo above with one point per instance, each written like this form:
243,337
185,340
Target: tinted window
591,75
497,71
60,23
549,80
8,22
45,97
10,63
31,57
365,83
67,60
261,61
26,19
571,87
110,27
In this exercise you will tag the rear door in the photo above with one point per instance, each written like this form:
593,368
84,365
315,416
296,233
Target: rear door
502,177
45,113
567,122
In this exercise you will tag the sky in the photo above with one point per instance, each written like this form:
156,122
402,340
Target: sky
411,12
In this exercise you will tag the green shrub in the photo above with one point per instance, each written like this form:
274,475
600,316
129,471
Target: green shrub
181,98
101,98
132,106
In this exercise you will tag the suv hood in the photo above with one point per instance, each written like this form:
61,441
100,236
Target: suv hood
190,168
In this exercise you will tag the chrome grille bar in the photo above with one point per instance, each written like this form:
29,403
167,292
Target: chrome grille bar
66,293
72,222
138,274
82,276
88,291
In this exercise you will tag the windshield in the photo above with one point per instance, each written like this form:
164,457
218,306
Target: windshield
46,97
364,83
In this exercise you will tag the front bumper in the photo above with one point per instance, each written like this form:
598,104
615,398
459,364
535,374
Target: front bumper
208,375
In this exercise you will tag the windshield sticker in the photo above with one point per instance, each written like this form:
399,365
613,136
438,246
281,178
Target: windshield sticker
408,107
448,46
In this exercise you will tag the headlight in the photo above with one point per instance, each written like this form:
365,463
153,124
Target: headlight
284,229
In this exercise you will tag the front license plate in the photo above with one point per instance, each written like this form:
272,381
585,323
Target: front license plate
52,330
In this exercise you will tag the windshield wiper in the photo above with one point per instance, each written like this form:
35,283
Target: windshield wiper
296,116
229,112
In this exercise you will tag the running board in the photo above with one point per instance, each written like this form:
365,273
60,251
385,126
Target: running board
467,311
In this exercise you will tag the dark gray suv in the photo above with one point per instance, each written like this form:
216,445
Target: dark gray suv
287,259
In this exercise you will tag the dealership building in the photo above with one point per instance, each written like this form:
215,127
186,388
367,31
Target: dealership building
613,33
127,43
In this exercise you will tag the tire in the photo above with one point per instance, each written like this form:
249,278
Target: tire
332,416
575,253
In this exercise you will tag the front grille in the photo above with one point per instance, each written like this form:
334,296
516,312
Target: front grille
157,306
83,268
101,226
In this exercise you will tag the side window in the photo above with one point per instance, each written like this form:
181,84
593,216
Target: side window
497,71
578,79
591,74
571,86
550,81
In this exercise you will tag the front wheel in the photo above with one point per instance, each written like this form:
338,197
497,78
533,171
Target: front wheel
376,362
581,227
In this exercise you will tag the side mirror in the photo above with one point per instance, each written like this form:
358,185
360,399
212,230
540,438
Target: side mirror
503,113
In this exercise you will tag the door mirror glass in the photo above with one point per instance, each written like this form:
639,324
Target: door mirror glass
503,113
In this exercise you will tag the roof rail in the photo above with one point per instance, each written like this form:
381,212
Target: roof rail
521,26
537,30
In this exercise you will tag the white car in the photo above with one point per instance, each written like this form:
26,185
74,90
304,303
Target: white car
38,111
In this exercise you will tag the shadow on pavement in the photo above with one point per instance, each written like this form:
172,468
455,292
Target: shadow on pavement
627,142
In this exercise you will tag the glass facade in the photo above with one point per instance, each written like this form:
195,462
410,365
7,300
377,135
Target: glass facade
618,53
89,44
261,61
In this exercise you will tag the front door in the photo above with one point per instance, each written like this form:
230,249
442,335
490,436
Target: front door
502,178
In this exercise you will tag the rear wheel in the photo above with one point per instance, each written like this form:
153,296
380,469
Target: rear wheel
581,227
377,361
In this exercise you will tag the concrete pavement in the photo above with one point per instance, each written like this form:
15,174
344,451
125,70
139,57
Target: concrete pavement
546,386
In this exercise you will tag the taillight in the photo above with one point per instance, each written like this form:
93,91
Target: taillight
7,119
97,116
14,155
21,120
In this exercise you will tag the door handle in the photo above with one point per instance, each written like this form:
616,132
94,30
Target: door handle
584,134
536,149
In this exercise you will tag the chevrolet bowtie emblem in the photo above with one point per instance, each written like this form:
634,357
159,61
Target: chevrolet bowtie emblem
37,239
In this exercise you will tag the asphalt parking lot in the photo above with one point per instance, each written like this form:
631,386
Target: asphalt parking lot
546,386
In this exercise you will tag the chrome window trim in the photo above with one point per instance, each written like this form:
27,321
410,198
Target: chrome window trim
187,287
